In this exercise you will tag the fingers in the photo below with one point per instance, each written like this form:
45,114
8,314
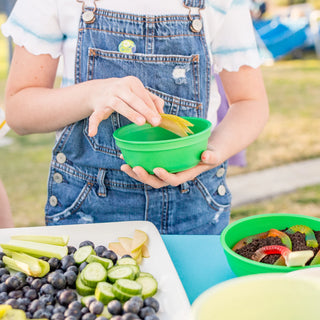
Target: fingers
143,176
159,103
95,119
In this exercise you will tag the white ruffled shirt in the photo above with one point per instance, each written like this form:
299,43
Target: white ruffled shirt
51,27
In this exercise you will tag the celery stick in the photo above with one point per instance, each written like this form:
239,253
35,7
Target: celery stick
43,266
36,248
56,240
18,266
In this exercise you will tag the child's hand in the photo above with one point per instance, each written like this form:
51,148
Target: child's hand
161,178
127,96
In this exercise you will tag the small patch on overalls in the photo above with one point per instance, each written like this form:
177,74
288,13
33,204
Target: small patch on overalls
179,74
127,46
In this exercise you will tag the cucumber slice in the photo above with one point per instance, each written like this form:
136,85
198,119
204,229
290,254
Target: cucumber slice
125,261
82,254
104,292
120,295
128,286
135,269
56,240
149,286
93,273
107,263
145,274
82,289
14,314
120,272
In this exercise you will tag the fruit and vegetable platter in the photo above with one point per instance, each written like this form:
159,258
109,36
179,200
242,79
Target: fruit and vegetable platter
297,245
103,271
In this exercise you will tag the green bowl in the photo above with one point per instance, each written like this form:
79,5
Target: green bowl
242,228
154,147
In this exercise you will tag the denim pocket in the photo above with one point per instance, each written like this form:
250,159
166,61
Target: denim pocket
66,198
181,96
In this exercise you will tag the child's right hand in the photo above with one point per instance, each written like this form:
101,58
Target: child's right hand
127,96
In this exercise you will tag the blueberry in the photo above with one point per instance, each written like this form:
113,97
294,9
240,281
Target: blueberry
101,318
57,316
13,303
16,294
71,318
2,265
22,277
115,307
72,312
67,296
84,310
89,300
71,250
36,305
36,284
13,283
2,255
126,256
73,268
86,243
82,266
96,307
99,250
59,309
47,299
29,280
3,271
57,280
116,318
66,262
88,316
4,277
71,278
146,311
132,306
152,302
3,297
130,316
3,287
75,305
44,258
152,317
109,254
54,264
31,294
47,289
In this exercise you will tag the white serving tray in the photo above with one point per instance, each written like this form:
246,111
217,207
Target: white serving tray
174,303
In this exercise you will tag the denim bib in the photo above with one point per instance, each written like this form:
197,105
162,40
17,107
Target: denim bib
171,59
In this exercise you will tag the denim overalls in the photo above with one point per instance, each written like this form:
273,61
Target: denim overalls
86,184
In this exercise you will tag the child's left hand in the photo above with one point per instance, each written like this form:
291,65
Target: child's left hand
162,178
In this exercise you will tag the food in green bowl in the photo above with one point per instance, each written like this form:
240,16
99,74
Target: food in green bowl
234,236
152,147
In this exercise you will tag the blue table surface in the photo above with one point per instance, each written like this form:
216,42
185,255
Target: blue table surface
199,261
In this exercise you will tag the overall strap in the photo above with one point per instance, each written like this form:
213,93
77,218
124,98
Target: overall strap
194,3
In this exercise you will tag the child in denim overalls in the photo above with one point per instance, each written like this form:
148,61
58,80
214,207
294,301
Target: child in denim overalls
131,67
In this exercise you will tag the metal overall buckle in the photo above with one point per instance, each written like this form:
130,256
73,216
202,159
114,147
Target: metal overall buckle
196,23
88,16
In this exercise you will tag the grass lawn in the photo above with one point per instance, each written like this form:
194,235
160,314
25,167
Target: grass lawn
292,134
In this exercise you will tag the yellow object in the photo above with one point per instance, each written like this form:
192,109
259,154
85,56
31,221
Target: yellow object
3,309
175,124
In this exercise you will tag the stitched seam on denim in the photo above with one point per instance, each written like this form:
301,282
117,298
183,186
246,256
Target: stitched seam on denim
142,36
146,58
90,64
123,185
146,213
208,67
204,191
64,137
195,77
170,99
76,205
79,56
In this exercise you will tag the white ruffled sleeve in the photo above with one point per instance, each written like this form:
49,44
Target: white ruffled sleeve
34,24
233,44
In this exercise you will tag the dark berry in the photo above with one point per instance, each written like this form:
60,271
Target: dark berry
16,294
71,278
47,289
57,280
36,284
146,311
89,300
130,316
88,316
82,266
66,297
3,287
152,317
132,306
71,250
57,316
13,303
31,294
152,302
99,250
66,262
115,307
54,264
109,254
86,243
3,271
96,307
73,268
13,283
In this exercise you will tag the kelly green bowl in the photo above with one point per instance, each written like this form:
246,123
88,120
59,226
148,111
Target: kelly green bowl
153,147
242,228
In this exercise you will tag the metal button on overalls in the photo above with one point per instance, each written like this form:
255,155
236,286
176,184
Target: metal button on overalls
220,172
53,201
221,190
57,177
61,157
